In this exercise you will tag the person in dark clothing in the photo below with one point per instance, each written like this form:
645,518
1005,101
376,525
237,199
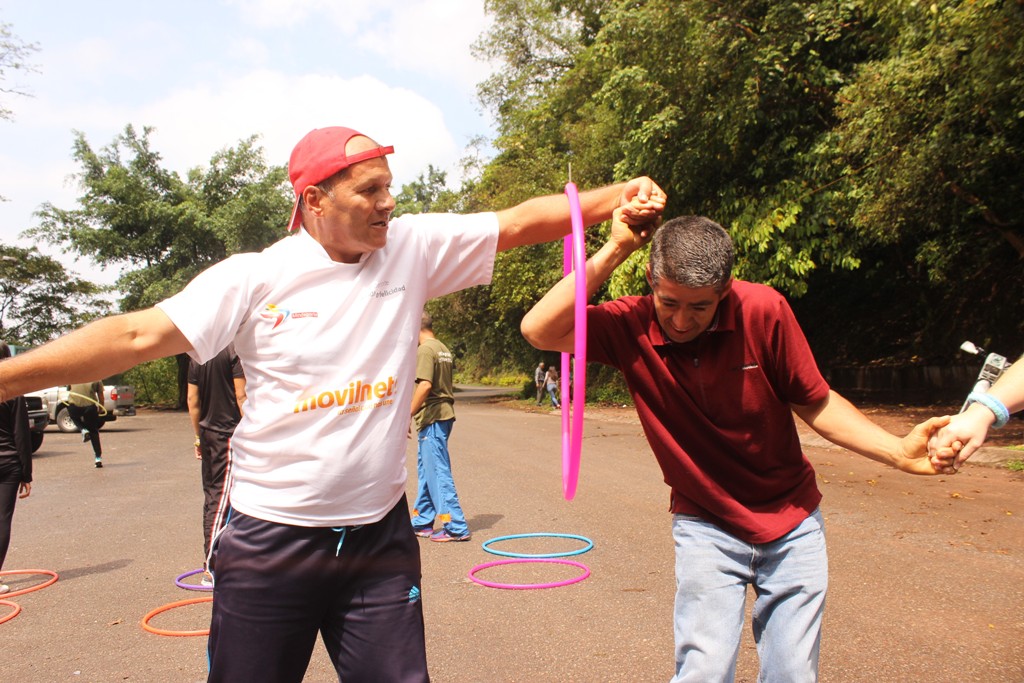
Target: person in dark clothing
86,409
216,392
15,462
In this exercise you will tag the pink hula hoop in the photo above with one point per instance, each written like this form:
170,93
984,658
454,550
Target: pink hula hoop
574,392
528,586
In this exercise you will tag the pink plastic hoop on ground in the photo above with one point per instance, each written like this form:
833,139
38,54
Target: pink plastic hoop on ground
528,586
574,384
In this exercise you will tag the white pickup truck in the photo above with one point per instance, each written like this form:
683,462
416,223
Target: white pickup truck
118,400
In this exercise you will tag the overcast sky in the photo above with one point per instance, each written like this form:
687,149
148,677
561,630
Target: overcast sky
208,73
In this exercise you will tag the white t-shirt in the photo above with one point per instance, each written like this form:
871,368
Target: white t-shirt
329,354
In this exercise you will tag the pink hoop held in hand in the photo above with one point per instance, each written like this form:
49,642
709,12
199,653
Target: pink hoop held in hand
574,390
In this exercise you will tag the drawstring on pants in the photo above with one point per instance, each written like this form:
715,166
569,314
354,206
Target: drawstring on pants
343,531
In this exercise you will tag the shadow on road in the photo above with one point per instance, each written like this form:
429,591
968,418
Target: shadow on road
69,574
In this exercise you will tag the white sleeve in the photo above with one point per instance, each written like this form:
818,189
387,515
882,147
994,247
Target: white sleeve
459,248
212,307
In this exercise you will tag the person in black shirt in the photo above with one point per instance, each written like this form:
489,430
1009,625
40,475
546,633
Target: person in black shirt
216,392
15,462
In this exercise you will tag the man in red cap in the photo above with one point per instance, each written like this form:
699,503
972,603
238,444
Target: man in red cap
325,323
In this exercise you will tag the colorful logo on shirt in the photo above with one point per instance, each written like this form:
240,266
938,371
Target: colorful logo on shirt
356,397
279,314
275,313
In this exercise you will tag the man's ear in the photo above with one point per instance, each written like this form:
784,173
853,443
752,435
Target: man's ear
312,197
726,289
647,273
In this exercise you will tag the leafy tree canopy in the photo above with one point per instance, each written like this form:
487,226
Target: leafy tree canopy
857,151
40,300
162,229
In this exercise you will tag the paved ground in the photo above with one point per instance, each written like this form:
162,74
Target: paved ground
927,574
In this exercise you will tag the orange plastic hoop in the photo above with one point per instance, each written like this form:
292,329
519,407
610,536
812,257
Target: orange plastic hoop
16,612
38,586
170,606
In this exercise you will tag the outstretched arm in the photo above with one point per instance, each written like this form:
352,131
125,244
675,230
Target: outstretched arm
100,349
967,431
550,324
544,219
839,421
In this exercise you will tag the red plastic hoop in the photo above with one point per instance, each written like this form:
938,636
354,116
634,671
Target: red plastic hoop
38,586
170,606
16,612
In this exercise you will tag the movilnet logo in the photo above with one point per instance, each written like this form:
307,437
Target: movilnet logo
279,314
275,313
385,289
358,396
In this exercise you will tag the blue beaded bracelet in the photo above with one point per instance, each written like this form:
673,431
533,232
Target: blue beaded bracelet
993,404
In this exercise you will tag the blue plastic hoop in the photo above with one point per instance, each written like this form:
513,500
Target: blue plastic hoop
487,544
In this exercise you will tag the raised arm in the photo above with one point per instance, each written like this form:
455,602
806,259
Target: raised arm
100,349
544,219
550,324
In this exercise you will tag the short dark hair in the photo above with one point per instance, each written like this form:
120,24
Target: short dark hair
5,350
692,251
426,322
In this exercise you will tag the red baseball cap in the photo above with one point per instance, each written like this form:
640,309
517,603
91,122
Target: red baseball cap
321,154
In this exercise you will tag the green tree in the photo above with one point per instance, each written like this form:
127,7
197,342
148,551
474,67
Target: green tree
428,193
160,229
862,151
929,148
14,56
40,300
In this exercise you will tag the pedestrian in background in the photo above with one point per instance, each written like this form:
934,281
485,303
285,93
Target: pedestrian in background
15,462
85,407
216,392
433,411
538,379
551,383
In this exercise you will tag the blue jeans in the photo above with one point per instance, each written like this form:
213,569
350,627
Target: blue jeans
436,497
789,577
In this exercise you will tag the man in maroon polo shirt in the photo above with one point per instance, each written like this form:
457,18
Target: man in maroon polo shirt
716,368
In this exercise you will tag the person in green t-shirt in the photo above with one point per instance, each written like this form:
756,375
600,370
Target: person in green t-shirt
433,410
85,407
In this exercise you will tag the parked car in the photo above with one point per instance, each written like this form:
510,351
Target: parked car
38,418
118,399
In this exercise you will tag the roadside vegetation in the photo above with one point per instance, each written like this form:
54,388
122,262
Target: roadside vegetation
867,156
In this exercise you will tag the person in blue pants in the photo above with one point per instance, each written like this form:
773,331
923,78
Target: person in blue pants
433,409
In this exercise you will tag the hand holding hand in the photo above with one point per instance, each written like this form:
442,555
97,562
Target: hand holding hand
913,456
642,201
964,435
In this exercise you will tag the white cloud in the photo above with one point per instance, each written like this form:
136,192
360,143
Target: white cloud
432,37
192,124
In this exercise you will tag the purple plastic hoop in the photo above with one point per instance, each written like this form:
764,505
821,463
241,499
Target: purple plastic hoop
191,586
574,393
528,586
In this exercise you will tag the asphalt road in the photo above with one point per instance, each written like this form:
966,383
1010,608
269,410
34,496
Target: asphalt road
927,574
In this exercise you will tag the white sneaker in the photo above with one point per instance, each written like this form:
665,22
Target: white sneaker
4,588
207,580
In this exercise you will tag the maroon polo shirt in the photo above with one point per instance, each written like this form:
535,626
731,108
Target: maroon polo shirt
716,411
